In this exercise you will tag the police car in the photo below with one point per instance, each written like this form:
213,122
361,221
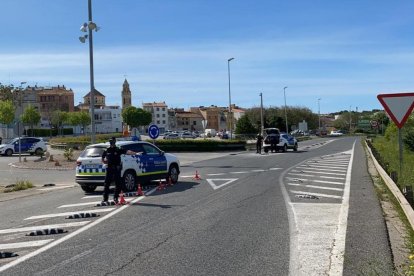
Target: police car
270,134
152,164
287,142
32,145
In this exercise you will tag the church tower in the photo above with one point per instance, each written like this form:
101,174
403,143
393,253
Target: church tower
126,95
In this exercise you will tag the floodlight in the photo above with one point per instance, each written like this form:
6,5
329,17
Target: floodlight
84,28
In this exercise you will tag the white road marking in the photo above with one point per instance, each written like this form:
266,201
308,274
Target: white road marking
275,169
88,203
294,184
24,244
324,188
258,170
70,213
71,235
332,177
94,196
213,174
315,194
227,181
315,180
308,171
327,182
34,228
301,174
318,169
238,172
186,176
329,165
56,188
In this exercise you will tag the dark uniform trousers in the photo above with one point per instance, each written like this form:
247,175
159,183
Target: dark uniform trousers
113,172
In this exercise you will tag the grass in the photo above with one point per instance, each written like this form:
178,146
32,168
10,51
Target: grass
19,186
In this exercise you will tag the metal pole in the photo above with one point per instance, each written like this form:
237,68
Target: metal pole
284,94
92,93
350,119
400,146
18,122
261,114
319,114
230,117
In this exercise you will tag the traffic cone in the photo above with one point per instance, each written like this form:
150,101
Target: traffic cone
139,191
170,182
197,177
160,186
122,200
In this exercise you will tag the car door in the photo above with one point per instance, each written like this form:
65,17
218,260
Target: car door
23,145
157,163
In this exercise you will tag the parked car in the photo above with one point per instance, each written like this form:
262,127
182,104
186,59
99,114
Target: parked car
336,133
172,136
224,136
31,145
152,164
186,134
270,134
287,142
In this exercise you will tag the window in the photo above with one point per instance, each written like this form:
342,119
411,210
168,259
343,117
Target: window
158,122
150,150
158,115
163,109
163,121
158,109
194,123
163,115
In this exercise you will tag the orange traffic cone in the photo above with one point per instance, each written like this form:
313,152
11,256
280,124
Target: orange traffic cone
122,200
139,191
197,177
160,186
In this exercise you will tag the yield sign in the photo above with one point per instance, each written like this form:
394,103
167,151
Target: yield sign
398,106
222,181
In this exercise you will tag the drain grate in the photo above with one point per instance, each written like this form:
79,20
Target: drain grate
4,255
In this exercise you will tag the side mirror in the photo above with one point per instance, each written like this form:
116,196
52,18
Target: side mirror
162,153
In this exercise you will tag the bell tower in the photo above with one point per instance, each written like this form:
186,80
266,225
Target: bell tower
126,95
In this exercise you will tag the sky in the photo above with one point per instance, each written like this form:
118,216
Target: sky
344,53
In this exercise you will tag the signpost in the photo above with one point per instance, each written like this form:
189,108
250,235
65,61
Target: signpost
153,132
204,123
399,107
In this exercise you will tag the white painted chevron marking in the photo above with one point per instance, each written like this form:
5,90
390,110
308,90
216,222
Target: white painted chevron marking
24,244
227,181
70,213
34,228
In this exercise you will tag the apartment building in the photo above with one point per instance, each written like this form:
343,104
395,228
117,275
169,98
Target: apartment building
189,121
159,112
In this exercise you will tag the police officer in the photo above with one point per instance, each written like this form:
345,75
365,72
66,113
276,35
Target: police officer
112,157
259,141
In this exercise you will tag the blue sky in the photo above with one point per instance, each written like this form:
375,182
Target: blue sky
344,52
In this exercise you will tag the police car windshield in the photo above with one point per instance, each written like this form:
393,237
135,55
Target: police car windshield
93,152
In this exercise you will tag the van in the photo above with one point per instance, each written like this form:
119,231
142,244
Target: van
210,132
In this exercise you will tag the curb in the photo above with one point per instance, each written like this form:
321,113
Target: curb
408,210
44,168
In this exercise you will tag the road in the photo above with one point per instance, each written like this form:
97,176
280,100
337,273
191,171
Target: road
311,212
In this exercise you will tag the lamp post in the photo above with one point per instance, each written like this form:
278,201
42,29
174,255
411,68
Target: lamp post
89,27
261,114
230,116
284,95
18,120
319,115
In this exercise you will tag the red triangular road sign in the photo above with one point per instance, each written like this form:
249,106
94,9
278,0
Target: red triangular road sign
398,106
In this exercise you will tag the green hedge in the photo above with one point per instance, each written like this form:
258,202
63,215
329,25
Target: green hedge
43,132
80,142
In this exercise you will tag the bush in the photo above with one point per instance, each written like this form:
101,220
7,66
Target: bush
409,139
45,132
68,154
20,185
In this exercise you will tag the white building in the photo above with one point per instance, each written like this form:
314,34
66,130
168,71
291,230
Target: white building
108,119
159,113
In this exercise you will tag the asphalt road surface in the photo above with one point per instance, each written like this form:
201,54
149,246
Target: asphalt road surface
311,212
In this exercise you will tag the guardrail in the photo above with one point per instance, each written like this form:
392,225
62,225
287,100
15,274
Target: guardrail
408,210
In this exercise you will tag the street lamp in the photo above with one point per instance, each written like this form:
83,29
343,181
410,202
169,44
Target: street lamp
261,114
319,115
18,119
89,27
284,94
230,117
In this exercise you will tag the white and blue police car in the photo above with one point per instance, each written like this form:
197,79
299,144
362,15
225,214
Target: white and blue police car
31,145
286,142
152,164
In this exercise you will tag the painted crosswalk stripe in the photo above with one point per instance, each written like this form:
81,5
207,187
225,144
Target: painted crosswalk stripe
34,228
16,245
212,174
94,196
332,177
274,169
326,166
293,184
329,163
315,194
87,203
301,174
313,180
70,213
320,169
308,171
258,170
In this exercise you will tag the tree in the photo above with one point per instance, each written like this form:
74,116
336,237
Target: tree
30,117
245,126
6,92
58,118
81,119
136,117
84,119
6,113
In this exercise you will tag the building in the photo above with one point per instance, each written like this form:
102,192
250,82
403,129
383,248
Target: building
215,116
159,112
189,121
126,95
99,100
108,119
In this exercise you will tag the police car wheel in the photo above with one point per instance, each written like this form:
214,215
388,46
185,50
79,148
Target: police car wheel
88,188
284,149
9,152
129,181
296,147
173,174
38,151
